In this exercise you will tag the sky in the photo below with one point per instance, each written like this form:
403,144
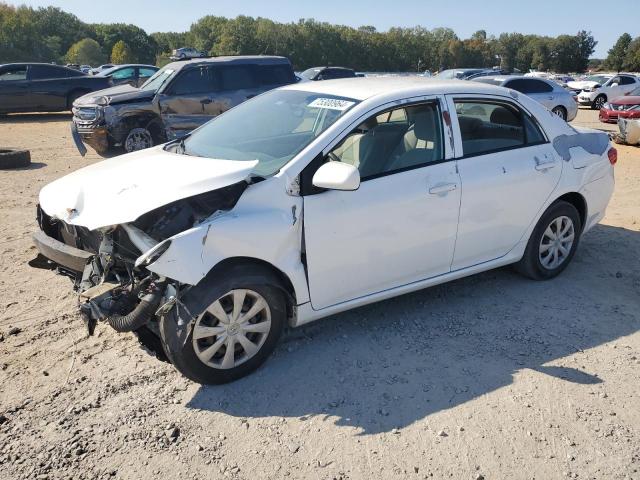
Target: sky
542,17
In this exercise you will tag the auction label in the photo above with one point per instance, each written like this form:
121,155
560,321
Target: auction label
331,103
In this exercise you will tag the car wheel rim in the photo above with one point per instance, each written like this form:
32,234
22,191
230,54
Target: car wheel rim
599,102
556,243
232,329
560,112
138,139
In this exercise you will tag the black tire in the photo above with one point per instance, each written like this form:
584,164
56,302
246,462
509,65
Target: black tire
599,102
181,352
10,158
530,265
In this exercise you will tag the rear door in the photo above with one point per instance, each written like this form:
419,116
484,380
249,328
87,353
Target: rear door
50,86
508,170
14,89
191,99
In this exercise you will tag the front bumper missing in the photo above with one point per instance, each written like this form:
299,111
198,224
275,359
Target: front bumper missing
65,255
96,137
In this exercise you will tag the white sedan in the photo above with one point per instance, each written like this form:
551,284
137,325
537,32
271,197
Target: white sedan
314,199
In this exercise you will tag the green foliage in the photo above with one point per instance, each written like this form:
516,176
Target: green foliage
45,34
121,53
618,53
86,52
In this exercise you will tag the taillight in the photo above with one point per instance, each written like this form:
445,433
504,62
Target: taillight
613,155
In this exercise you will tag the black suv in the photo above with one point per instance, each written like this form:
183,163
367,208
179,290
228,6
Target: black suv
178,98
327,73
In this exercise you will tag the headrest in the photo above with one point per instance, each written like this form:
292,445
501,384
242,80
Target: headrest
423,124
504,116
469,124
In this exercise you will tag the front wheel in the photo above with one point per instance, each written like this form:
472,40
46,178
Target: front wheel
599,102
232,337
553,242
138,139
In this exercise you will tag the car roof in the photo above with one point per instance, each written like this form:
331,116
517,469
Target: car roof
360,88
236,59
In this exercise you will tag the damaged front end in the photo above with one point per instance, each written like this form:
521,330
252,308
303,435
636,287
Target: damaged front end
108,265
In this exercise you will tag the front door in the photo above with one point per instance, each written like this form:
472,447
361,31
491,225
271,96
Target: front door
400,226
508,170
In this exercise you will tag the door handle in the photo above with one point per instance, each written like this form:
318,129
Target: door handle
544,166
442,188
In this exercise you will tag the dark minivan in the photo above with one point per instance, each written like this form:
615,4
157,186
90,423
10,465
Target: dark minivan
177,99
43,87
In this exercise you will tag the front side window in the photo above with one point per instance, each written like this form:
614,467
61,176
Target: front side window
392,141
19,73
123,74
271,128
194,81
492,126
627,81
146,72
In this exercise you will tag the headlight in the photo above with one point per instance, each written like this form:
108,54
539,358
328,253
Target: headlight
152,254
102,101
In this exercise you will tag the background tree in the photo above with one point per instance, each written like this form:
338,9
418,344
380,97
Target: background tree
121,53
618,53
86,52
632,58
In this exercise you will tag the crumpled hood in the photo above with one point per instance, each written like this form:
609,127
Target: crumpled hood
582,84
120,189
117,94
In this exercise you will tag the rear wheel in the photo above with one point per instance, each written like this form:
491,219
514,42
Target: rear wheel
553,242
232,337
561,112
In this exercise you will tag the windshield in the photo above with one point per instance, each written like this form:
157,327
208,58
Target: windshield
309,73
271,128
158,79
597,78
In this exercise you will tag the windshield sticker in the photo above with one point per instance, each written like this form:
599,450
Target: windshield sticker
331,104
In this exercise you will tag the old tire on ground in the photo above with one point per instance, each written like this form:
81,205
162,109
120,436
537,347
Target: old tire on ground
11,158
553,242
599,102
232,337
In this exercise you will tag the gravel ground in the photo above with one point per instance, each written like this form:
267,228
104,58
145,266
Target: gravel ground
489,377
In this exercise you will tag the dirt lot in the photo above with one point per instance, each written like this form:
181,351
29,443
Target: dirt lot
493,376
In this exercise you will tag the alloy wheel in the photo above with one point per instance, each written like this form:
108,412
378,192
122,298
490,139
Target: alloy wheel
138,139
232,329
599,103
556,242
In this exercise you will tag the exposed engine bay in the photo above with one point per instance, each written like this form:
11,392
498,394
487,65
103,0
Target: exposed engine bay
115,285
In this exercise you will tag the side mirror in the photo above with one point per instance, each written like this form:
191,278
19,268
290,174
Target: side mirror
614,84
337,176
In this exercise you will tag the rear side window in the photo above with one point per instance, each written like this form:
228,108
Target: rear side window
274,74
526,85
43,72
236,77
194,81
487,127
19,73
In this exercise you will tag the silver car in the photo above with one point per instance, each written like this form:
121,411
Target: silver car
549,93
